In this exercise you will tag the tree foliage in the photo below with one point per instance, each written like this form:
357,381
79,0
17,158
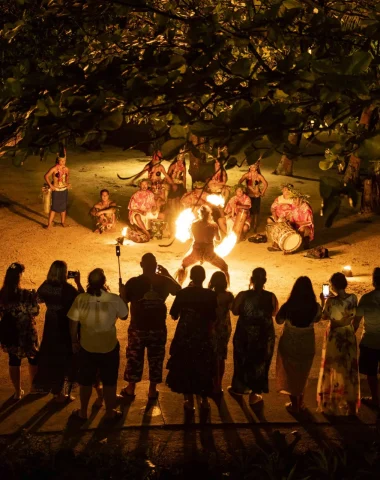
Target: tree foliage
245,73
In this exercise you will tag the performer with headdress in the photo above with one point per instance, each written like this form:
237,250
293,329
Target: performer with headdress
177,172
292,207
57,179
143,208
158,177
204,232
238,205
104,213
218,182
256,188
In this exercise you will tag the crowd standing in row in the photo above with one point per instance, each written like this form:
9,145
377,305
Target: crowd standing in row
79,341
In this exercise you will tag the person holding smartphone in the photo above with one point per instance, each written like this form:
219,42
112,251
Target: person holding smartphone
56,371
338,391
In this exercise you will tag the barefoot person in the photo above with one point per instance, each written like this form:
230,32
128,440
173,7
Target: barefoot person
58,180
104,213
204,232
257,186
143,208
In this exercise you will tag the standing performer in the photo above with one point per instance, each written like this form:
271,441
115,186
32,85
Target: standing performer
237,206
217,183
104,213
58,180
177,172
257,186
204,233
157,176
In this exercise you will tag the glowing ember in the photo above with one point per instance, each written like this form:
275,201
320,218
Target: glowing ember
227,245
183,225
216,200
124,232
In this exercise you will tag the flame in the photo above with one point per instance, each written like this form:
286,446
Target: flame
228,243
124,232
183,225
216,200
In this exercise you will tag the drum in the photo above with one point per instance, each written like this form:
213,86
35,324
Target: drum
285,236
158,228
46,199
240,219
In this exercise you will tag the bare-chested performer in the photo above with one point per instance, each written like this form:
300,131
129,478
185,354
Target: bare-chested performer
256,188
58,180
204,232
104,213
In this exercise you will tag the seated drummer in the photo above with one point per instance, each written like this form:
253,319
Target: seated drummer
238,203
198,197
143,208
104,213
293,208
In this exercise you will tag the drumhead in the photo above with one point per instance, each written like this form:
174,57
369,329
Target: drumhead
292,242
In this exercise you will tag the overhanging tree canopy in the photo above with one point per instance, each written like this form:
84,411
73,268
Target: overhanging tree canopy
248,74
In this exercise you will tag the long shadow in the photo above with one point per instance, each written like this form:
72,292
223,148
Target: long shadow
15,405
79,210
12,206
328,235
230,433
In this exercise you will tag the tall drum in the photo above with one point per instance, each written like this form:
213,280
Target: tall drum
240,219
285,236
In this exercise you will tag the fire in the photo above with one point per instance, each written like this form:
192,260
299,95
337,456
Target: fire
183,225
227,244
216,200
124,232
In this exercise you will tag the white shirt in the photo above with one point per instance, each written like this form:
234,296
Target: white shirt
97,317
369,308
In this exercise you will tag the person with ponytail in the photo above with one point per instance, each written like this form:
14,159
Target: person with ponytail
18,334
254,338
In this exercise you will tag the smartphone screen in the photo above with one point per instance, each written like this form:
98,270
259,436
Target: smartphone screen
117,250
326,290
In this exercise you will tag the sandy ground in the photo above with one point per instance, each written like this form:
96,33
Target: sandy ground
353,240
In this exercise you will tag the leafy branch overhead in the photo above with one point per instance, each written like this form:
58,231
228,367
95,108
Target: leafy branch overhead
242,73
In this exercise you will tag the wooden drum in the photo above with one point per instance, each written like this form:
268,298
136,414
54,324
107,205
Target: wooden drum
240,219
285,236
158,228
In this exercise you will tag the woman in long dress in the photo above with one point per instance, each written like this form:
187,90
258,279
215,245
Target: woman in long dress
192,357
338,390
56,362
222,328
18,334
253,339
296,348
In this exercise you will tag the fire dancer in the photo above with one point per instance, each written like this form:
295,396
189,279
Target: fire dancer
104,213
218,182
58,180
143,208
237,212
257,186
204,232
198,197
